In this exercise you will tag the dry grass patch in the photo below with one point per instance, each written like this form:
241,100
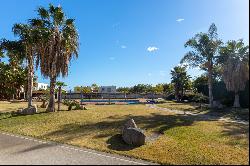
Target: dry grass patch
183,140
181,106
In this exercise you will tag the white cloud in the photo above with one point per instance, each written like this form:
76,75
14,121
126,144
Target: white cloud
180,20
111,58
152,48
123,46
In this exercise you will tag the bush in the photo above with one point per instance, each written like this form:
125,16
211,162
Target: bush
72,104
191,97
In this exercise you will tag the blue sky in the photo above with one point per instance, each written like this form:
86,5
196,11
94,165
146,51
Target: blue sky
126,42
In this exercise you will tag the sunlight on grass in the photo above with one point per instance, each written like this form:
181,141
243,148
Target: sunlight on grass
183,139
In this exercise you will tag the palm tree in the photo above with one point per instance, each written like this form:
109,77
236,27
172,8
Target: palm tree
60,85
205,47
234,57
27,37
58,43
180,79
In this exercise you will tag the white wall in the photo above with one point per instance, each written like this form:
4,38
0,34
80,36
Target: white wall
107,89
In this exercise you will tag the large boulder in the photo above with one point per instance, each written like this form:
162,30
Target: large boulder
30,110
133,135
129,124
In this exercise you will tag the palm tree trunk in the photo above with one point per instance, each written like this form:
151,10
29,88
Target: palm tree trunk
237,100
51,106
30,80
59,98
210,85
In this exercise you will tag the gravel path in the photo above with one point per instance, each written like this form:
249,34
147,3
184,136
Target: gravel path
199,115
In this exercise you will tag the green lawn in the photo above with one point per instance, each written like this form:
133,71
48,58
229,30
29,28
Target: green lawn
183,139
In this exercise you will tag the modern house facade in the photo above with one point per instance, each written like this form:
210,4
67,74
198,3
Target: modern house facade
107,89
41,86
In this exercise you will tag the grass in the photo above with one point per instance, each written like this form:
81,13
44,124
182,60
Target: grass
6,106
172,105
239,113
183,139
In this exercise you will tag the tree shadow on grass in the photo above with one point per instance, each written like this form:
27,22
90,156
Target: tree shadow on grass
110,130
239,133
116,143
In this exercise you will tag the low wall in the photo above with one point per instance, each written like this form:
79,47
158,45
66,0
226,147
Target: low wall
110,96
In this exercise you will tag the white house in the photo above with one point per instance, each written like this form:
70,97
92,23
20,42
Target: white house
107,89
41,86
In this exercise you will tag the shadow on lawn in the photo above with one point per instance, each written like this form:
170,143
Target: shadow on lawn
108,130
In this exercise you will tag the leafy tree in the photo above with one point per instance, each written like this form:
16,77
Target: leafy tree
141,88
57,44
86,89
13,75
158,88
200,85
235,67
60,85
123,89
205,48
168,88
95,87
180,79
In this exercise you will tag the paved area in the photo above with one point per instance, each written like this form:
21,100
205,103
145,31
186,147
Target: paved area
20,150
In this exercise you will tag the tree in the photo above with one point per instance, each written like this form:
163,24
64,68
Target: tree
94,87
86,89
123,89
180,79
27,37
205,48
60,85
168,88
234,57
57,45
200,85
13,75
158,88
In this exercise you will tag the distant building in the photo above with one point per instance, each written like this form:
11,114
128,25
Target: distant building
107,89
41,86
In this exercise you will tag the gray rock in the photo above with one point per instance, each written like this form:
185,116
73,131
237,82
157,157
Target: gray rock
217,104
129,124
29,111
134,136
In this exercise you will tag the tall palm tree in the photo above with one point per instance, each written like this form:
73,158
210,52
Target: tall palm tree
234,57
58,43
205,47
27,37
60,85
